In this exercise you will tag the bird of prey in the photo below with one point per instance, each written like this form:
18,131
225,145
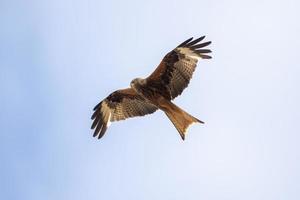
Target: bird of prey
147,95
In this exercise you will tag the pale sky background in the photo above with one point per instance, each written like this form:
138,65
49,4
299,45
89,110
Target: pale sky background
58,59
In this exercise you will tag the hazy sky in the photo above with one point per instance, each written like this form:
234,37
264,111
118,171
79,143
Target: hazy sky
58,59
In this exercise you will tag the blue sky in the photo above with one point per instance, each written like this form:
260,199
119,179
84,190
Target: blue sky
60,58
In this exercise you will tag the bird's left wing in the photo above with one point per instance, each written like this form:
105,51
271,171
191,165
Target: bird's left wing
119,105
176,69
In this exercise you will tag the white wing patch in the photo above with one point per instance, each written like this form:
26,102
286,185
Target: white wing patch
106,113
188,52
109,122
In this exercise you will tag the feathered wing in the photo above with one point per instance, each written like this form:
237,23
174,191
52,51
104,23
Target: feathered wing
176,69
119,105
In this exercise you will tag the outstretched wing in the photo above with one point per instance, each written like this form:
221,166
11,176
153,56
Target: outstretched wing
176,69
119,105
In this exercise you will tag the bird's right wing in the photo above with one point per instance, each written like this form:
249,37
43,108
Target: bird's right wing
176,69
119,105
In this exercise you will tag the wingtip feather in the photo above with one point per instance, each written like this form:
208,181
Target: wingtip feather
103,130
185,42
196,41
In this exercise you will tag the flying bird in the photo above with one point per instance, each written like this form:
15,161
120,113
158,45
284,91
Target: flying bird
147,95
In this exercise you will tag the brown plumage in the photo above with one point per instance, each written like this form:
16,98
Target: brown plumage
147,95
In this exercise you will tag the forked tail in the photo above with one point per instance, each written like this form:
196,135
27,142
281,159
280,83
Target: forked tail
181,119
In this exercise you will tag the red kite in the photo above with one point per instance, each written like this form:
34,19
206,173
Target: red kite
145,96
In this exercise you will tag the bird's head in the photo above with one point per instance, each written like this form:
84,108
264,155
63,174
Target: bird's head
137,82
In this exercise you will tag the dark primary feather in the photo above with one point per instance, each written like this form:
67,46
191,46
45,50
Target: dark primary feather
196,41
198,46
176,69
119,105
185,42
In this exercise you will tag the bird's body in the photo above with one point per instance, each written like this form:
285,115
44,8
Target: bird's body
145,96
